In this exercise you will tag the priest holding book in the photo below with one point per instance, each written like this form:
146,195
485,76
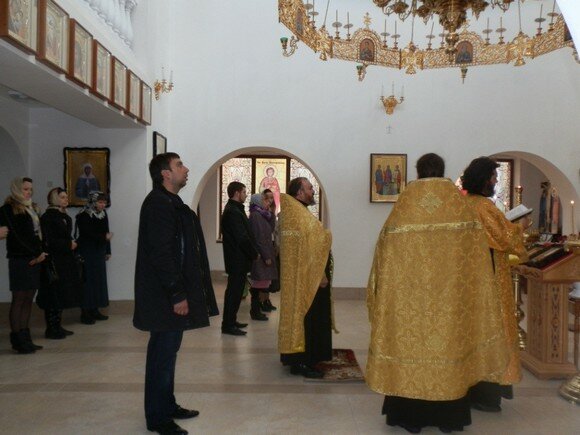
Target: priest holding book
504,238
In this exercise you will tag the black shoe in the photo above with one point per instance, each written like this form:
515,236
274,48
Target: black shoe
54,334
182,413
268,302
233,331
485,408
169,428
258,316
97,315
445,429
306,371
411,429
87,319
28,338
240,325
19,345
65,331
265,307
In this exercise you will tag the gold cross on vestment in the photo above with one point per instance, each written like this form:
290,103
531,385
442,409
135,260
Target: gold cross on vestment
430,202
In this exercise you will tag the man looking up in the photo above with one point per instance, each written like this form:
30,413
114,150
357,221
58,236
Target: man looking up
173,289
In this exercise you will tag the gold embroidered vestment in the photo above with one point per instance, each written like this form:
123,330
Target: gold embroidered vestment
504,238
436,326
304,250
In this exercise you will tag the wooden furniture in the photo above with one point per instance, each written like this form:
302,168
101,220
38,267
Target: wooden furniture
546,354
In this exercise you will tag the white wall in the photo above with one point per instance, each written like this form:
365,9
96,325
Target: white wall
234,89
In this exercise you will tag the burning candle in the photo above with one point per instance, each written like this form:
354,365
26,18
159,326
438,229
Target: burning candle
573,220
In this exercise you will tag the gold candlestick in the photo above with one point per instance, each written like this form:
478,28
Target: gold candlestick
519,313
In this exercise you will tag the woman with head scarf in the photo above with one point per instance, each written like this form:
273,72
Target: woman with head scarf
25,255
94,240
264,268
64,290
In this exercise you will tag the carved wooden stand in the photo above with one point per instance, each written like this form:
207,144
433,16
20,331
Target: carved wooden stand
546,355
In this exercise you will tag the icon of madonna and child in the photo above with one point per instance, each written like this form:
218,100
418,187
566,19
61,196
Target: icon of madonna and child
388,181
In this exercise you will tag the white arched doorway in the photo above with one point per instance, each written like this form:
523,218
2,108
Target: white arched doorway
207,197
530,170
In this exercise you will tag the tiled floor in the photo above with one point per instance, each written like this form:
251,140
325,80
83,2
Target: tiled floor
92,383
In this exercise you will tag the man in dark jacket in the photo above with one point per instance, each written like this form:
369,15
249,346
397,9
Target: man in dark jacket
239,252
173,289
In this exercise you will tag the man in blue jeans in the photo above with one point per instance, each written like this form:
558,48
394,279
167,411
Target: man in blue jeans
173,289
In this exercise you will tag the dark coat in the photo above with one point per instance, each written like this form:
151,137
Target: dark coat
22,240
94,247
171,266
238,243
56,237
262,232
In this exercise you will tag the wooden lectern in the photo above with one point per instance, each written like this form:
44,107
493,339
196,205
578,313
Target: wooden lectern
546,354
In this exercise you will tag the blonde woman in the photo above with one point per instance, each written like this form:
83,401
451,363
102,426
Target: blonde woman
25,255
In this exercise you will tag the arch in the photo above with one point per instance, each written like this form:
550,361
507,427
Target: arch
566,188
255,150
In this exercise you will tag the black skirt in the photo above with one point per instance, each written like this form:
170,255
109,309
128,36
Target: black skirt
417,413
21,276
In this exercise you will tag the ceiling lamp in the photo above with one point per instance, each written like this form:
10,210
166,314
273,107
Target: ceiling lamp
460,47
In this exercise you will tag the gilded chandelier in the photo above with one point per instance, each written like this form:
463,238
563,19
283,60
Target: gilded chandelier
459,46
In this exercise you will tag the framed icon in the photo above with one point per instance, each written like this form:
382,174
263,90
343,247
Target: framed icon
118,84
81,56
146,100
19,23
53,35
388,177
102,66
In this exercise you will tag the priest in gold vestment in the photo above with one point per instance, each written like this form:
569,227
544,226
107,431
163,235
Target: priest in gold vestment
436,326
304,332
504,238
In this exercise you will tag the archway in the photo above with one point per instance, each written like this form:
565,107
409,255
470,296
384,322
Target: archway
529,171
207,193
11,165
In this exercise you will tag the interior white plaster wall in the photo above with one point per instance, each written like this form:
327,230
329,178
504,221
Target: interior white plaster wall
50,131
234,89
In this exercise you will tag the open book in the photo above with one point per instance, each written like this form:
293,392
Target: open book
518,212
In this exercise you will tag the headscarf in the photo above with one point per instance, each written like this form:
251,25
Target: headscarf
91,175
91,207
257,204
17,196
53,197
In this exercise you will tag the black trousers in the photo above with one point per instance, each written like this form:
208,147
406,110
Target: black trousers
450,414
160,376
233,298
317,332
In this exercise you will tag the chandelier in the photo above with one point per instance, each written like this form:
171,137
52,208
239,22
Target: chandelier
460,46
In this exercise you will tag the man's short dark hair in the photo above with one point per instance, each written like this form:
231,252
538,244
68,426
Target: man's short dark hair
295,185
430,165
160,163
476,177
235,186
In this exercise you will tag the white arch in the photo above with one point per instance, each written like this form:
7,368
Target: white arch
566,188
254,150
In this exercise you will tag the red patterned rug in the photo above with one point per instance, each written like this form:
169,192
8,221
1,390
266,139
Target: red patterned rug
343,368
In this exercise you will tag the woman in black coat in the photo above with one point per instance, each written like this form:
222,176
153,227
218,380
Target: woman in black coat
94,241
25,255
64,290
